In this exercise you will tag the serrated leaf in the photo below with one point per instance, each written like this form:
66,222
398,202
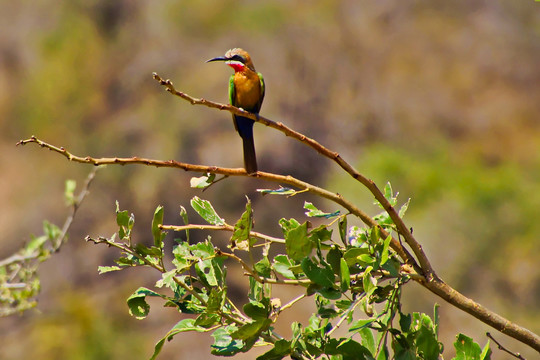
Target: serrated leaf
205,209
203,181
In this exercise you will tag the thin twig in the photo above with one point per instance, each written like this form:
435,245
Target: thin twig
516,355
225,227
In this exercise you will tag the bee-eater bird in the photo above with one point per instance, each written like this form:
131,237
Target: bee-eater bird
246,91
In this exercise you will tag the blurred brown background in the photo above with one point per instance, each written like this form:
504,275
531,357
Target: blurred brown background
442,99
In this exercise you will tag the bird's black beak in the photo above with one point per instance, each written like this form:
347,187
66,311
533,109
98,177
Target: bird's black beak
219,58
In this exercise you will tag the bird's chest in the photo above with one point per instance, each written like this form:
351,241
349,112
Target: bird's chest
247,90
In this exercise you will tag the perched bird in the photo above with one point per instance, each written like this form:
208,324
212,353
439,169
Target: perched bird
246,91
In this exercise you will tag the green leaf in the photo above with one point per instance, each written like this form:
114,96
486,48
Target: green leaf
486,352
312,211
106,269
466,348
167,279
125,222
427,343
403,208
389,194
297,242
263,268
216,300
319,235
257,310
345,275
282,265
207,320
138,307
281,348
224,344
333,257
360,324
352,350
183,215
321,275
206,211
157,233
69,191
207,272
368,341
242,228
342,226
182,326
250,330
280,191
368,281
203,181
34,244
358,256
375,235
384,252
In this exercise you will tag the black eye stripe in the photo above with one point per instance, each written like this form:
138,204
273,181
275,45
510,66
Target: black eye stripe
239,58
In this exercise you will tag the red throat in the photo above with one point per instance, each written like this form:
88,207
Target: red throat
237,66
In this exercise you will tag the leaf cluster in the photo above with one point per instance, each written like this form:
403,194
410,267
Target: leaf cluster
350,273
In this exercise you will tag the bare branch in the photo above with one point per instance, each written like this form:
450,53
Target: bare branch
516,355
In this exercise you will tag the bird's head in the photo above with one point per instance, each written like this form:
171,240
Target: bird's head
236,58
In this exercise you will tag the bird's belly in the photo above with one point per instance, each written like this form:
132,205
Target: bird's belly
247,95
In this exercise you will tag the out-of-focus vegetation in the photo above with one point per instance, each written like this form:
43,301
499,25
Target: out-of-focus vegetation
440,99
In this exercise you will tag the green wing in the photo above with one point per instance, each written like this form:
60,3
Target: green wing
232,91
262,91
